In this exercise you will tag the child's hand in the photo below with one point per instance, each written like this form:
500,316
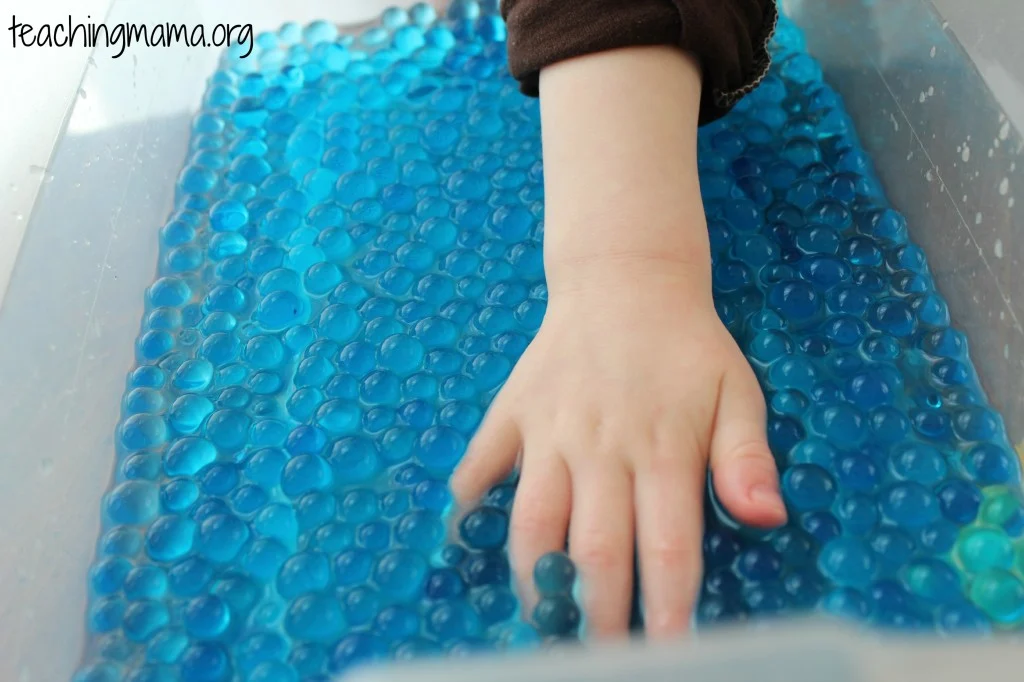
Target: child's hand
630,389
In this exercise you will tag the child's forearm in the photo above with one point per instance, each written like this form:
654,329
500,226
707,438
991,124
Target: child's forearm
620,164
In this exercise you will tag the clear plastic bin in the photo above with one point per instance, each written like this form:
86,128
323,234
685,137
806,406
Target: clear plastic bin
942,124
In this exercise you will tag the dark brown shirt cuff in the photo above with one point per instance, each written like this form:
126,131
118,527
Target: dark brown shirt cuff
729,37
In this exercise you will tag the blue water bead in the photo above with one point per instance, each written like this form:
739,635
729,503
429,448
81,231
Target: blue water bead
357,649
556,616
484,528
451,621
848,562
808,486
909,504
933,580
495,604
990,464
400,573
338,322
374,536
794,372
206,617
977,423
170,538
107,575
857,473
133,503
795,300
315,617
418,414
303,573
220,479
554,573
421,530
841,424
305,473
770,345
221,536
144,619
304,401
486,568
440,448
963,619
918,462
959,501
444,583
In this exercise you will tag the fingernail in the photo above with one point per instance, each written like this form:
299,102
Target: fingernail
767,495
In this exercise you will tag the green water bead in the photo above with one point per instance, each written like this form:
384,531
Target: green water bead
981,549
999,506
1000,595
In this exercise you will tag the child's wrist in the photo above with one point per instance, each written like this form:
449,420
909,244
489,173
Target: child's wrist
626,275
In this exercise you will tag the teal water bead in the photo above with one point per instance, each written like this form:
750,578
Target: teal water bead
133,503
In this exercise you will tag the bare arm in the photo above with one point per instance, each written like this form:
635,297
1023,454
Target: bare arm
632,387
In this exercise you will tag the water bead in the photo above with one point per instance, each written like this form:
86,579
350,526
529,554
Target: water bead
909,504
221,536
556,616
485,528
170,538
918,462
1000,595
990,464
133,503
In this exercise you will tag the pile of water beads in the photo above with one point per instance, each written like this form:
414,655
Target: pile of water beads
352,269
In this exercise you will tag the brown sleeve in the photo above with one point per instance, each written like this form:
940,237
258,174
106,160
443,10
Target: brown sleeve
729,37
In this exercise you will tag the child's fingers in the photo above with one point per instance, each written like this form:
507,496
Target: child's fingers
743,469
670,512
540,519
601,542
491,456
